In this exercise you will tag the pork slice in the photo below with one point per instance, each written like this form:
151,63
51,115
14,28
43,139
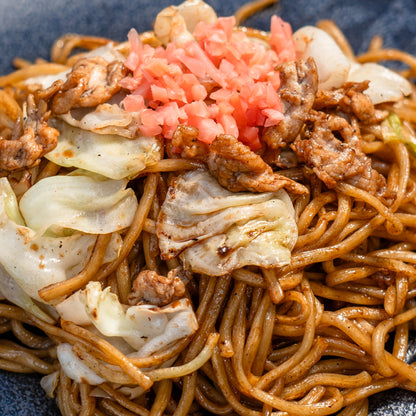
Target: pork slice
299,84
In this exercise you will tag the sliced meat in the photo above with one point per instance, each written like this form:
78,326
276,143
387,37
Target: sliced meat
91,82
31,141
330,147
150,287
299,84
282,158
238,168
234,164
185,138
350,99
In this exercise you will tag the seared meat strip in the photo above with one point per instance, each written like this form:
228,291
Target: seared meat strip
238,168
235,165
92,81
299,84
26,148
350,100
334,160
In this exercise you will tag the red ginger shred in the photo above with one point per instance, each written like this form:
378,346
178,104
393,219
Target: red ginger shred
220,83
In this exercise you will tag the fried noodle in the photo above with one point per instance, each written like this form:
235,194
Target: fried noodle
305,338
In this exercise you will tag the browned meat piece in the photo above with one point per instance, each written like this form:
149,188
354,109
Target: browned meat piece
185,138
25,148
299,83
334,160
282,158
350,99
47,93
238,168
235,165
91,82
149,287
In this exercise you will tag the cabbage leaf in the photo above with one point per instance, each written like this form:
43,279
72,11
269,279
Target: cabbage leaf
16,295
109,155
215,231
35,261
146,328
87,203
74,368
104,119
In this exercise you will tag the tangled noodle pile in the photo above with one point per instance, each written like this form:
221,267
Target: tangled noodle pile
209,219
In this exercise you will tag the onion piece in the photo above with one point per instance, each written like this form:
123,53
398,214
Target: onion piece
49,383
385,84
176,23
333,66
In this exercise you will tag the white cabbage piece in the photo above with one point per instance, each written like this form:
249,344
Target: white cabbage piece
74,368
34,261
217,231
109,155
105,119
385,85
73,309
146,328
334,68
113,248
332,65
89,203
16,295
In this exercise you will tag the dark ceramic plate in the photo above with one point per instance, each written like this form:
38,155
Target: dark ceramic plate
29,27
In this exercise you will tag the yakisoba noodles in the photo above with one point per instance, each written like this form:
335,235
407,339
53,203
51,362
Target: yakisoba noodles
209,219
